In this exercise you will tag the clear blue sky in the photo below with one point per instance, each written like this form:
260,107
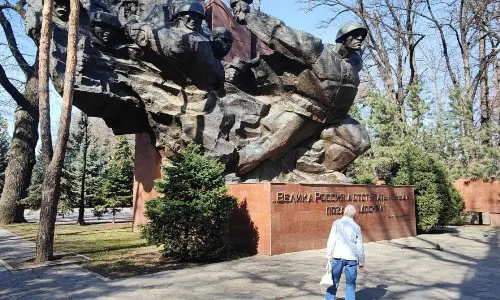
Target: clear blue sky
294,16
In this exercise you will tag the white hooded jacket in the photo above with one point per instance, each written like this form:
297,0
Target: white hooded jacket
345,241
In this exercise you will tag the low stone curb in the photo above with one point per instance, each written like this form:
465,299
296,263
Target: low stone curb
6,265
94,274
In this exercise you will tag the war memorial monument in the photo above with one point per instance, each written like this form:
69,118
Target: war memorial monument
270,102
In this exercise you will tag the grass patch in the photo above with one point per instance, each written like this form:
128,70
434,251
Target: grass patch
116,251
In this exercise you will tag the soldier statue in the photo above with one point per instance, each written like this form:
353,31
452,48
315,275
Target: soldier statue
155,67
324,81
180,46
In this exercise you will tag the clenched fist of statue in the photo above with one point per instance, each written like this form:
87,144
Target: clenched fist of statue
240,8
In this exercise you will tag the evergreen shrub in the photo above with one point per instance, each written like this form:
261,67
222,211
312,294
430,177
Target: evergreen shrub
190,220
438,201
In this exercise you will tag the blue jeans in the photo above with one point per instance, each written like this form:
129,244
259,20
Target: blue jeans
351,271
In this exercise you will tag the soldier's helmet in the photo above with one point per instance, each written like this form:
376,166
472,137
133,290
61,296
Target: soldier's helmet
105,18
123,2
348,28
191,7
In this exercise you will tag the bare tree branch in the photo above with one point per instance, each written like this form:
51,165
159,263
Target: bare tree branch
13,91
18,7
11,40
444,44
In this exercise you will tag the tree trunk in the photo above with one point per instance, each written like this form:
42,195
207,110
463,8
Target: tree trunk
48,214
20,214
52,180
496,67
43,83
81,211
21,155
485,93
48,209
467,99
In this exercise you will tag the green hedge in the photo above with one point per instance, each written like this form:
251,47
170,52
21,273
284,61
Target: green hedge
438,201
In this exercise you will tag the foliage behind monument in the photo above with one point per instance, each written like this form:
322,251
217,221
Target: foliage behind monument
116,187
438,201
410,154
191,219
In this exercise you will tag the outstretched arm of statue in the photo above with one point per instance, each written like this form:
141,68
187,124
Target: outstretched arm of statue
294,44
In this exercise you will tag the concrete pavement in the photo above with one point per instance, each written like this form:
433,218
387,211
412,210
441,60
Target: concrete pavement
467,267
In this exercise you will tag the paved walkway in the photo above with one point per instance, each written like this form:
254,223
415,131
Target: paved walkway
467,267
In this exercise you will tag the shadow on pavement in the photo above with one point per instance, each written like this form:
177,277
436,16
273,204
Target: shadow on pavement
484,276
482,273
466,268
372,293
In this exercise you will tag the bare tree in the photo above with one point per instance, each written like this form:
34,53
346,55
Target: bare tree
53,161
466,25
485,91
25,136
495,103
469,22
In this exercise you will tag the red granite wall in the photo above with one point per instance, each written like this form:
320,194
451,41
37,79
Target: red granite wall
274,218
147,168
495,219
297,217
480,195
219,15
250,227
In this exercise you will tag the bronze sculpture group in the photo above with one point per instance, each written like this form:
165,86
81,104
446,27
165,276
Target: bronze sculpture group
158,68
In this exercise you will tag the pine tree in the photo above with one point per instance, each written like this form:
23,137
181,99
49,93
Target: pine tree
4,149
97,163
80,136
118,183
34,198
388,133
71,178
68,198
190,219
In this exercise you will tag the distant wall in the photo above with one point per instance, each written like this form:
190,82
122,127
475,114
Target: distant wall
480,195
